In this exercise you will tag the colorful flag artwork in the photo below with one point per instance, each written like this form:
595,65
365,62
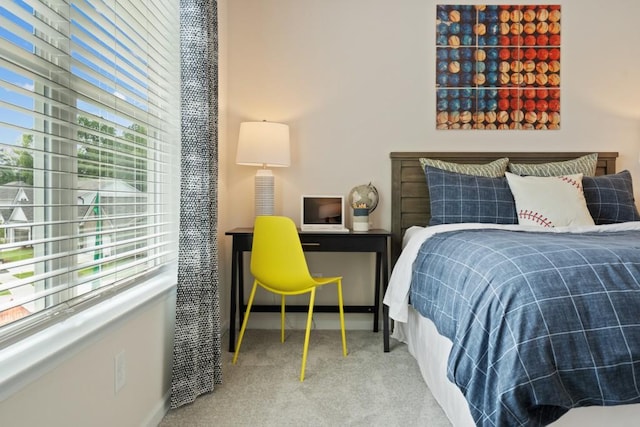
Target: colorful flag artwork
498,67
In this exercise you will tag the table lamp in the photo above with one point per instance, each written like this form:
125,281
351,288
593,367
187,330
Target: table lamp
264,144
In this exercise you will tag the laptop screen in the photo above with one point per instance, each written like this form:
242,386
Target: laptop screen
322,213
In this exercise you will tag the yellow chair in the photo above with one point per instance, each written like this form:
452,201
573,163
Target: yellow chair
279,266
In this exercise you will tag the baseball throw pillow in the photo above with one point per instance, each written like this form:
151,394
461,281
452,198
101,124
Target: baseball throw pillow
553,201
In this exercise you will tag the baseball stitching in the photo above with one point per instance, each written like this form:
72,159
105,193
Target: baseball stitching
535,217
571,182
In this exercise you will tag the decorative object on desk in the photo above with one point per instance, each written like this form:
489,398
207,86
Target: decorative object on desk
364,196
263,144
360,219
364,200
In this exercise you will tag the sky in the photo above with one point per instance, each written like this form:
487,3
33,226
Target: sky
11,135
12,84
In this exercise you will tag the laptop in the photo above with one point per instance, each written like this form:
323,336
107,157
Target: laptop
323,213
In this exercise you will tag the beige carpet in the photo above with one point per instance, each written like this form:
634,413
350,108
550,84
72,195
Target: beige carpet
367,388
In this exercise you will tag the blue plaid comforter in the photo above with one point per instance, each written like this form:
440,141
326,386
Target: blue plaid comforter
540,322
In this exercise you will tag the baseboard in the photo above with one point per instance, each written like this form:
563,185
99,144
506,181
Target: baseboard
158,412
353,321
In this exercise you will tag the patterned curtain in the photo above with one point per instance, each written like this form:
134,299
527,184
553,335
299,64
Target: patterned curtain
197,353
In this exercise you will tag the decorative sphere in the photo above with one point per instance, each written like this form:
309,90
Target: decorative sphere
364,195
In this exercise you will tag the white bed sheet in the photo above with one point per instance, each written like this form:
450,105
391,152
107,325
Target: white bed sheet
431,350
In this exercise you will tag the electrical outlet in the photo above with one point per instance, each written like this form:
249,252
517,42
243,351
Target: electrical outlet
120,371
316,274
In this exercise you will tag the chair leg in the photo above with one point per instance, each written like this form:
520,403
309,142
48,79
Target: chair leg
282,304
341,308
245,321
307,333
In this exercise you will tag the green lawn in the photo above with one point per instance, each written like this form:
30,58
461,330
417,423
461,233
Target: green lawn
16,254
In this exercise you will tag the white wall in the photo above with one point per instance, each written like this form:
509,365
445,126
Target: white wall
80,390
355,80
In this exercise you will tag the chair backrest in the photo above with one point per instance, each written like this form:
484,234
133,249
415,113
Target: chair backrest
277,258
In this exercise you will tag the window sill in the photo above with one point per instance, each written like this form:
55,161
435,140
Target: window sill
32,357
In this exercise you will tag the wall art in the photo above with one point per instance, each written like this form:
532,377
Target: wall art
498,67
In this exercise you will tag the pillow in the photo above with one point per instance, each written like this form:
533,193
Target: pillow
553,201
458,198
586,165
610,198
493,169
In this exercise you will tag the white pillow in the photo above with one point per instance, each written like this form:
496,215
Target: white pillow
553,201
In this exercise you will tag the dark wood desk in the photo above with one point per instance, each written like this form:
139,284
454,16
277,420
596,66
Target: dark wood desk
375,241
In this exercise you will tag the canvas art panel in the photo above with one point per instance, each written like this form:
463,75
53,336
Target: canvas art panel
498,67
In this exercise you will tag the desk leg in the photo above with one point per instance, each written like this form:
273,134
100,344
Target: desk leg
234,289
376,304
385,309
241,287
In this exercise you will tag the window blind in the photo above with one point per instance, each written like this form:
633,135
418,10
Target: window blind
89,137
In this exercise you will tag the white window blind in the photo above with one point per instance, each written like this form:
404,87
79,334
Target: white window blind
89,137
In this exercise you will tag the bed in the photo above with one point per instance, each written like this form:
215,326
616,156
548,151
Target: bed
430,336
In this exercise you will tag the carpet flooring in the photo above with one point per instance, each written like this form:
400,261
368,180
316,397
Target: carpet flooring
366,388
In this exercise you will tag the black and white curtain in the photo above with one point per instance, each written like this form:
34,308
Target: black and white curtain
197,354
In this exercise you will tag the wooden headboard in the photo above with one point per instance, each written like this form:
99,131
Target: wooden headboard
410,198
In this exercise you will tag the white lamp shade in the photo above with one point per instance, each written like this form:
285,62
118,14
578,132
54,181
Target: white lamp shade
263,144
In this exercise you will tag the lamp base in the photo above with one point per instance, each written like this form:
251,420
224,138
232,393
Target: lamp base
264,192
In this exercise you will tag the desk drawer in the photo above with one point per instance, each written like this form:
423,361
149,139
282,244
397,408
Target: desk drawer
343,243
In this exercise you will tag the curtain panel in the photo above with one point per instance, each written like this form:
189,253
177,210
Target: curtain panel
197,353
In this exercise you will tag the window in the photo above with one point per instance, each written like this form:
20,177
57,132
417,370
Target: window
89,137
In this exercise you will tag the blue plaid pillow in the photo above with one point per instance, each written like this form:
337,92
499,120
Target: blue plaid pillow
610,198
457,198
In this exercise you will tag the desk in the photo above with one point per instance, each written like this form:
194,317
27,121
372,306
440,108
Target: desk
374,241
